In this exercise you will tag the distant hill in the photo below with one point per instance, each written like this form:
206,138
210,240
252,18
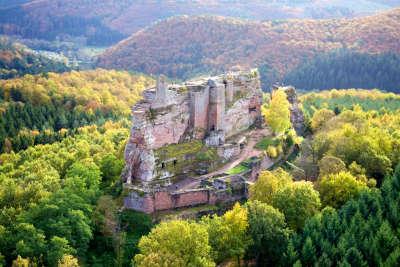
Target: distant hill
184,46
17,60
104,22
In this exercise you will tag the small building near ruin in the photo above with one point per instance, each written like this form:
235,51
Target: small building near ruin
181,132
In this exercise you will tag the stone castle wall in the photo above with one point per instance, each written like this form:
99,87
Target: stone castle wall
214,108
164,200
172,125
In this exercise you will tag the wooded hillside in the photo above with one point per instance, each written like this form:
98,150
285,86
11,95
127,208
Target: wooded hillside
185,46
104,22
45,108
17,60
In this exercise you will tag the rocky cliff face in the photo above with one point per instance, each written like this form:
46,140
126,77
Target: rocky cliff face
296,114
167,123
153,127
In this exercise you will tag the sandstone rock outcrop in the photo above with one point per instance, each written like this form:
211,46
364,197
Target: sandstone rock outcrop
296,113
176,128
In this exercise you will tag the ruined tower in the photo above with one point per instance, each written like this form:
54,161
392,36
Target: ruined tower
216,112
161,92
200,99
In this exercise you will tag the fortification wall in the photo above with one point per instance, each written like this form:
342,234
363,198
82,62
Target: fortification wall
164,200
220,106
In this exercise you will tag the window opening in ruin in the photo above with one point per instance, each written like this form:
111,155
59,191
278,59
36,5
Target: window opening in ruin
252,109
213,128
175,162
162,165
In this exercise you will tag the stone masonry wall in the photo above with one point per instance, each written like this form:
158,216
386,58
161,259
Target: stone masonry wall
164,200
199,112
180,113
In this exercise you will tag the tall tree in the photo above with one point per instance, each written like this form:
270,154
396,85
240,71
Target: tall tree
228,234
336,189
268,183
277,114
298,202
175,243
267,228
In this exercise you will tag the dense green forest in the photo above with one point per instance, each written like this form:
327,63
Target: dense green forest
46,108
60,188
60,202
17,60
347,69
63,198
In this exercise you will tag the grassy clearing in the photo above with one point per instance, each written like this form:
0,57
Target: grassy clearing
237,169
266,142
347,99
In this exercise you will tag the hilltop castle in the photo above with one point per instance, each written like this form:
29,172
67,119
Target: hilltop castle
208,110
186,140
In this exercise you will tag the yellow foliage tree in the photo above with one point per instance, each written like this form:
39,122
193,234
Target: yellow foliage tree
175,243
272,152
277,114
320,117
21,262
68,261
268,183
337,188
228,234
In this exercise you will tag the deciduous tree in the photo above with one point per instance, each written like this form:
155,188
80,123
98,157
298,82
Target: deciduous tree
277,114
267,228
228,234
175,243
268,183
298,202
337,189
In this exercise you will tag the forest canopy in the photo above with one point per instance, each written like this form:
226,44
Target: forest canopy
347,69
17,60
39,109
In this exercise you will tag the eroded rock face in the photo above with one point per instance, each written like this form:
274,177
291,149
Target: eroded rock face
211,109
296,114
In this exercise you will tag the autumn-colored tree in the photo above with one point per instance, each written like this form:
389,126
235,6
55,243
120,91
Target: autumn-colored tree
21,262
268,183
277,114
175,243
320,117
228,234
298,202
68,261
337,188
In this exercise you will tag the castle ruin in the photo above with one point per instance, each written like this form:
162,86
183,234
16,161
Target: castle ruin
181,133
